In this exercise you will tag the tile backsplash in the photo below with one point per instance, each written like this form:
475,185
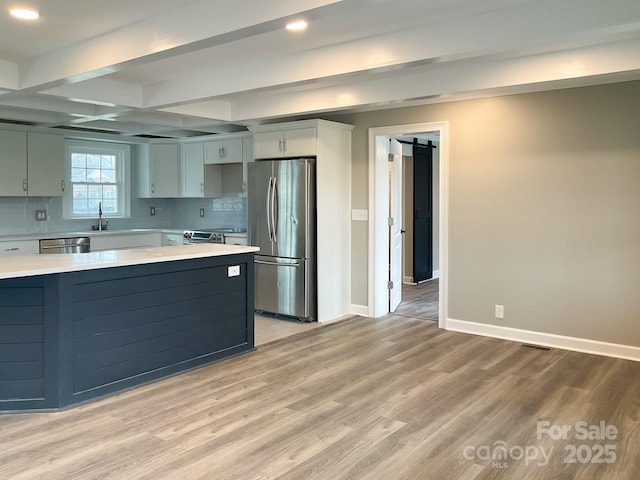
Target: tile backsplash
18,215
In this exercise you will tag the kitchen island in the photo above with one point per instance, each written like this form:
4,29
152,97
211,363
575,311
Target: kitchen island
80,326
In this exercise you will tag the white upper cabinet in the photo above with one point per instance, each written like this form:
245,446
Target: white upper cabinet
223,151
45,165
271,142
32,164
158,170
13,162
192,170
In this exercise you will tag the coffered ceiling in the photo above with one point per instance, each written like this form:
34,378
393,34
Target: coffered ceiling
190,67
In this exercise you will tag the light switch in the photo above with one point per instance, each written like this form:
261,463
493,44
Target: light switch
360,215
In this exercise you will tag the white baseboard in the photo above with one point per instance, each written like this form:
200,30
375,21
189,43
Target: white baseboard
408,280
361,310
627,352
436,274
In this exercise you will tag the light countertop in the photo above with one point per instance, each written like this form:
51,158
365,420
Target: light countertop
31,265
86,233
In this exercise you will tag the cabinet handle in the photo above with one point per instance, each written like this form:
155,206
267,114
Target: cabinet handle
24,185
62,185
284,143
220,150
153,188
280,145
202,188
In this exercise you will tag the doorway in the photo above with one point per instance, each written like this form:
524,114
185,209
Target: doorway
379,190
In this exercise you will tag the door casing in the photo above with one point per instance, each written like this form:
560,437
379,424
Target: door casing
378,294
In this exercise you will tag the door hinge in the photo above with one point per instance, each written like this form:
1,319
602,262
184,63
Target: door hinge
391,157
390,285
390,221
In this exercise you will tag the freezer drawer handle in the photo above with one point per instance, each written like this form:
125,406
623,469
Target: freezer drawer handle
277,264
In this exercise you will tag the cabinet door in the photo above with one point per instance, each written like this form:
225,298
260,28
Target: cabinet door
45,165
232,151
300,142
164,168
125,241
13,163
247,157
193,170
171,239
267,145
213,152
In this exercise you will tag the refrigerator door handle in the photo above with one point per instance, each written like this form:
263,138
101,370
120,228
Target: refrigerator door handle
268,208
274,208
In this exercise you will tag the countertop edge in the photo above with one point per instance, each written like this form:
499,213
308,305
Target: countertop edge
21,266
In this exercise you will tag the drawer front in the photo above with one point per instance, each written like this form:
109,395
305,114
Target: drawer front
19,247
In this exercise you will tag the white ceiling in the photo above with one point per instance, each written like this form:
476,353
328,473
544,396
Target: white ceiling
189,67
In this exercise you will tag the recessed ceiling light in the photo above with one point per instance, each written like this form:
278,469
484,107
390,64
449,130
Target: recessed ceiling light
24,13
297,26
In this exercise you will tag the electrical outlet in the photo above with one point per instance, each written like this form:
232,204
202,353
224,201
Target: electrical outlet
500,312
152,211
41,215
233,271
202,212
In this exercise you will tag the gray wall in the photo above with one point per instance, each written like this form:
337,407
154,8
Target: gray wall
544,208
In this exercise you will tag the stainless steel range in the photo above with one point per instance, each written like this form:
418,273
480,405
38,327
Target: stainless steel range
192,237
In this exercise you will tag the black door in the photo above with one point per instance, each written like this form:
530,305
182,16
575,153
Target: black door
423,212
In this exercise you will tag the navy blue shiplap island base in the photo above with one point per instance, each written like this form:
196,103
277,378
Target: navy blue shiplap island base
79,326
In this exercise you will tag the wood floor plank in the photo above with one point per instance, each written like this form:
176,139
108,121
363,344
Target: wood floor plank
392,398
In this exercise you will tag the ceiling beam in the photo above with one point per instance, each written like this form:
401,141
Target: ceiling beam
199,24
510,32
447,81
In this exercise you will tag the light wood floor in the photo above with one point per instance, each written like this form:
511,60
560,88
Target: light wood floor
269,329
420,300
382,399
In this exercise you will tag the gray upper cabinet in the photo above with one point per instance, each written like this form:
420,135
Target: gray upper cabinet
32,164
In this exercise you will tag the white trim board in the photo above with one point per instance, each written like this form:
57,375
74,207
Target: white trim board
378,198
583,345
361,310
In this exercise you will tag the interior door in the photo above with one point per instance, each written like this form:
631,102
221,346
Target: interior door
395,227
422,213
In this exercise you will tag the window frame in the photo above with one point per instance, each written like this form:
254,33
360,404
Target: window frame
123,168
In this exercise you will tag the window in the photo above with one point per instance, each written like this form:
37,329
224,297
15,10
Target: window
98,173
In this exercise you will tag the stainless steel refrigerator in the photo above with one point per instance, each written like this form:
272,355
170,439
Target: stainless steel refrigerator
282,222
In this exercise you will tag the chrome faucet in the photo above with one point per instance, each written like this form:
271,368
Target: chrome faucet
101,226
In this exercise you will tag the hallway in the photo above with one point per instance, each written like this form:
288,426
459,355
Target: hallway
420,301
